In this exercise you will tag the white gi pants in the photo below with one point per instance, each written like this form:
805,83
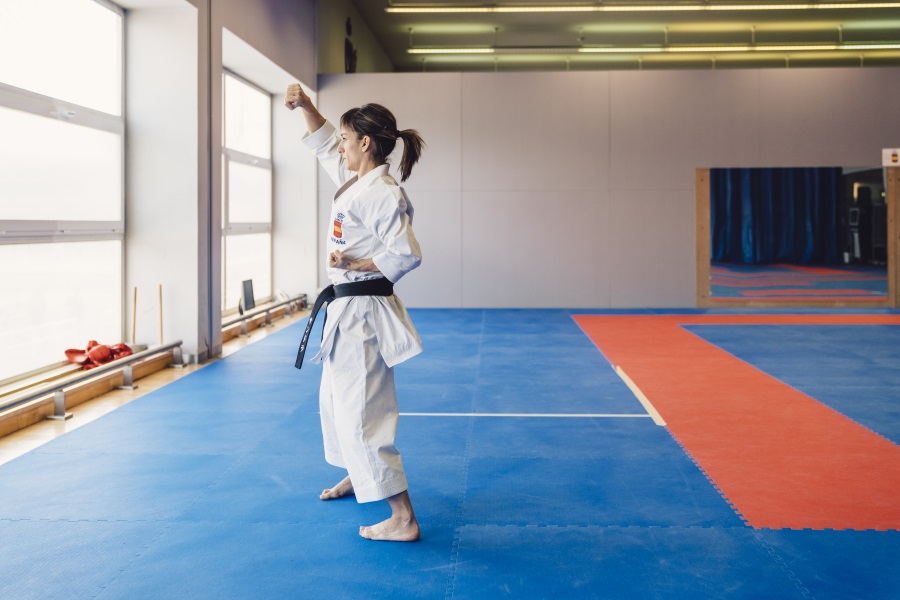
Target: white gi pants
358,406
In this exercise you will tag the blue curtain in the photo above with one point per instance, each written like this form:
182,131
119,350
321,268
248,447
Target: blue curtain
760,216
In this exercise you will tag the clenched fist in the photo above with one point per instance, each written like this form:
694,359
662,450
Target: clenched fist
296,97
339,260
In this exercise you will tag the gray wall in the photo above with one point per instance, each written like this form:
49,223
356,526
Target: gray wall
577,189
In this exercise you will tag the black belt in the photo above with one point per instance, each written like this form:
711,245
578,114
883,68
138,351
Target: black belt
368,287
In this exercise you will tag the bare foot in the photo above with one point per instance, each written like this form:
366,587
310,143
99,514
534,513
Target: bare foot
344,488
394,529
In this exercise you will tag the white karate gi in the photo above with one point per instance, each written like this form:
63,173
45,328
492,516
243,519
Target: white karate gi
365,336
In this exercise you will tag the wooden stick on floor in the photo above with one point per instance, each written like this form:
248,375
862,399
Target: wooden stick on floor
160,316
134,318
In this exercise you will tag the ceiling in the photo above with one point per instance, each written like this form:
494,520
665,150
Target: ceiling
635,34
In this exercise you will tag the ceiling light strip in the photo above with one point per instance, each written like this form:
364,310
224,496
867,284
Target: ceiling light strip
659,49
742,48
572,8
451,51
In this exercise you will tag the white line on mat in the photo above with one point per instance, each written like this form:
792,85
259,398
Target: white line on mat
545,415
640,396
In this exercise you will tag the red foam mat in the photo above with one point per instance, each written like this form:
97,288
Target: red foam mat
781,458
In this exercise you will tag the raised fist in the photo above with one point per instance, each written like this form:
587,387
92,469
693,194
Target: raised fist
296,97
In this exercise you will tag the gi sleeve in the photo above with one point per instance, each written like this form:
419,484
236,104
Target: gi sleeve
324,144
391,221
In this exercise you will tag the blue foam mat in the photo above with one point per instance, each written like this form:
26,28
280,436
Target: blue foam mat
208,487
565,438
618,563
851,565
106,486
56,560
263,560
613,491
589,395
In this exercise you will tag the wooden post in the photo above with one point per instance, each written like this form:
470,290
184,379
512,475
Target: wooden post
160,316
893,231
701,187
134,318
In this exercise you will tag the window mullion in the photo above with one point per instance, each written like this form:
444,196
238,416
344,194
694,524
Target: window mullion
45,106
247,189
245,228
247,159
16,231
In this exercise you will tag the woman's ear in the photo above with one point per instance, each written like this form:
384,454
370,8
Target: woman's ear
365,143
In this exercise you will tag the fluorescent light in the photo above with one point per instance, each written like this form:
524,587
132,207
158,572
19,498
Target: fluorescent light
487,9
659,49
623,7
738,48
619,50
870,47
450,51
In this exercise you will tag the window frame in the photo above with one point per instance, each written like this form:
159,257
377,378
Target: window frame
42,231
230,228
49,231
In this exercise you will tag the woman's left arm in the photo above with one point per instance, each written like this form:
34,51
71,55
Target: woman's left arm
390,218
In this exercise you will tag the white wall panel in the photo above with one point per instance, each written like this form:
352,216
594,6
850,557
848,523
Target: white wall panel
664,124
528,131
654,130
651,248
437,283
535,249
829,117
729,119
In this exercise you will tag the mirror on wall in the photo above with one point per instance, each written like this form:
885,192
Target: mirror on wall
811,236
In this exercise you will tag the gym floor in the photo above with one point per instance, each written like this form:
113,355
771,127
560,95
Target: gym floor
550,454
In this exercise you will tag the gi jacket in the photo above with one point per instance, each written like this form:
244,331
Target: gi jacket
370,218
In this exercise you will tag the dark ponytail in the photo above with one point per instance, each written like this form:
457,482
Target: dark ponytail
379,124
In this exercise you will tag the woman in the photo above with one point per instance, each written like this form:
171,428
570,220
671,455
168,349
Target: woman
370,246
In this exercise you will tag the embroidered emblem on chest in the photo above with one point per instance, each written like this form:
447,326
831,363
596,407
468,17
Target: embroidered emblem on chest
338,223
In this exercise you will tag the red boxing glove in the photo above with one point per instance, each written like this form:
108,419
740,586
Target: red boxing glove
78,357
96,354
100,354
120,351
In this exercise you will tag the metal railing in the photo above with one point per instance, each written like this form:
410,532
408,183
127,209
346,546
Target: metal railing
58,387
267,310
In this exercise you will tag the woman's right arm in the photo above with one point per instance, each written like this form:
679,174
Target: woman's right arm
319,138
297,98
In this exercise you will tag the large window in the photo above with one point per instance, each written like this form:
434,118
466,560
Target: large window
61,179
246,191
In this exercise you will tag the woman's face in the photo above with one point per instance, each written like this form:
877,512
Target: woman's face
351,148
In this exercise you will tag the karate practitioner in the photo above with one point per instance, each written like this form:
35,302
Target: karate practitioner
370,246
